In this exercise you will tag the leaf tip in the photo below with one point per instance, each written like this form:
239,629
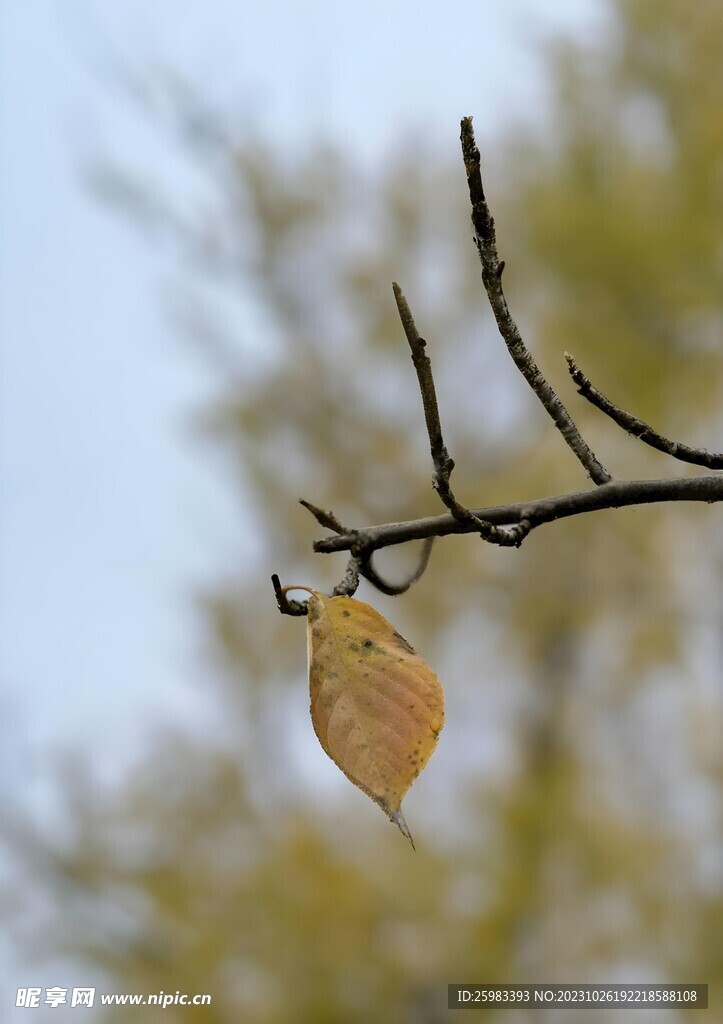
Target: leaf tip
398,818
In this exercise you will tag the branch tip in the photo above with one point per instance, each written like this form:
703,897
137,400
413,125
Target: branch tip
327,519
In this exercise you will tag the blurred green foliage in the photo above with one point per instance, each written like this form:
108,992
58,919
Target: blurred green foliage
572,830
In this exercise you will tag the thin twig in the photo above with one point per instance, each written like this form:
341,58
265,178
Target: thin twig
422,364
443,464
327,519
638,428
616,494
394,589
492,268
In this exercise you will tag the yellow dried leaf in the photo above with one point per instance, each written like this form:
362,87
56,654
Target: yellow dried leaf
376,706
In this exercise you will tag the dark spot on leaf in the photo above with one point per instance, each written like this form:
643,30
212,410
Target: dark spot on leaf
368,643
346,613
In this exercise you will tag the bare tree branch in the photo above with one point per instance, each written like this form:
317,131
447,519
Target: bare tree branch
503,524
638,428
492,268
615,494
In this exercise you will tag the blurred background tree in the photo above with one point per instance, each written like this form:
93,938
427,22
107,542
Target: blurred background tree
569,826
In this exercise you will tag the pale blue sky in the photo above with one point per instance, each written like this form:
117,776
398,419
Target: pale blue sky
108,514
